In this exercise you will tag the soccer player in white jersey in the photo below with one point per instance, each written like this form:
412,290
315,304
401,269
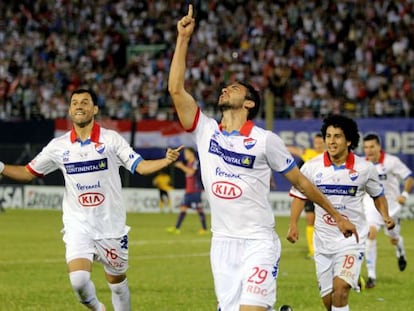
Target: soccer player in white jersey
94,216
393,173
344,178
236,159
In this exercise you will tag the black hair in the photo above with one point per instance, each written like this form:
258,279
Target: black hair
347,125
89,91
372,136
252,94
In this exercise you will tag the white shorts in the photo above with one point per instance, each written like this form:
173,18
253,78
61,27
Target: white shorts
374,219
245,271
345,265
112,253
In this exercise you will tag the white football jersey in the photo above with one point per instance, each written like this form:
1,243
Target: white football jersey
235,169
392,172
92,201
345,187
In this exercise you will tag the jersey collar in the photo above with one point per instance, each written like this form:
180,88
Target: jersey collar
95,133
244,131
381,157
349,163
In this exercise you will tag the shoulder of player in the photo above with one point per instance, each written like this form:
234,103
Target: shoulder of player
258,132
58,141
317,159
362,164
388,157
108,135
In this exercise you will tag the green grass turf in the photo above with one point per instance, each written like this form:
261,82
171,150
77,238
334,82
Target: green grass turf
170,272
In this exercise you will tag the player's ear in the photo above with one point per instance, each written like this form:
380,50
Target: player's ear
248,104
95,110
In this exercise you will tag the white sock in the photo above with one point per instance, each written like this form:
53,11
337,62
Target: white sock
400,249
121,299
346,308
371,259
84,289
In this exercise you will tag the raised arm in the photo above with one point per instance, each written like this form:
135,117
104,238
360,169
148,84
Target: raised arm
184,103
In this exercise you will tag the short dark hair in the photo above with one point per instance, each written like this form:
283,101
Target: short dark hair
347,125
89,91
252,94
372,136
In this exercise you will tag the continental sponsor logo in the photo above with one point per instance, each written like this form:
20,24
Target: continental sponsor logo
86,166
344,190
231,157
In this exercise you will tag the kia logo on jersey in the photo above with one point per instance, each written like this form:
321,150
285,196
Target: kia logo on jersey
330,220
249,143
226,190
91,199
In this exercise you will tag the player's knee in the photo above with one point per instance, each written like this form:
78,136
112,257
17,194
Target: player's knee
79,280
119,288
394,241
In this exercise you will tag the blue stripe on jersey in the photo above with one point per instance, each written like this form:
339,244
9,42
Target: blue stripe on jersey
338,190
86,166
134,166
230,157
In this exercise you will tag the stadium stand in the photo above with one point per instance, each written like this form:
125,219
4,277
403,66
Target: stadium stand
308,58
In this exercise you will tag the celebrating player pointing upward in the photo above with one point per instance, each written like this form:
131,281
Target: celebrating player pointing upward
236,159
94,216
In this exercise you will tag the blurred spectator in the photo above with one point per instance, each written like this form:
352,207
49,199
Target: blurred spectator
310,58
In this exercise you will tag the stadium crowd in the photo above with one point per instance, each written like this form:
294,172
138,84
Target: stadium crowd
308,58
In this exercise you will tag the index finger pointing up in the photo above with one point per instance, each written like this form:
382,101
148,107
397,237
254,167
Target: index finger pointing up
190,10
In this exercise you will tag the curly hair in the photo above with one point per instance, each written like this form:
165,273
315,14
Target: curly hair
347,125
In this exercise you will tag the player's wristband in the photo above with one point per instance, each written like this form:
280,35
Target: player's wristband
1,167
405,194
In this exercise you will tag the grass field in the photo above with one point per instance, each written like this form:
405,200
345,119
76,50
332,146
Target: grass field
170,272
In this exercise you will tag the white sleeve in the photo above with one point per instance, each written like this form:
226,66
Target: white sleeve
373,186
44,162
305,171
126,155
278,157
401,170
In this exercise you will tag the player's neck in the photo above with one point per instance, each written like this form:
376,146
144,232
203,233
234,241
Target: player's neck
232,121
83,132
339,159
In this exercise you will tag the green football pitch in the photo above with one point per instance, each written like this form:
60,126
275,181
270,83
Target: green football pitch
171,272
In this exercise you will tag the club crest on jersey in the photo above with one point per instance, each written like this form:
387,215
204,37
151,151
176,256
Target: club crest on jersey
353,174
100,148
249,143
